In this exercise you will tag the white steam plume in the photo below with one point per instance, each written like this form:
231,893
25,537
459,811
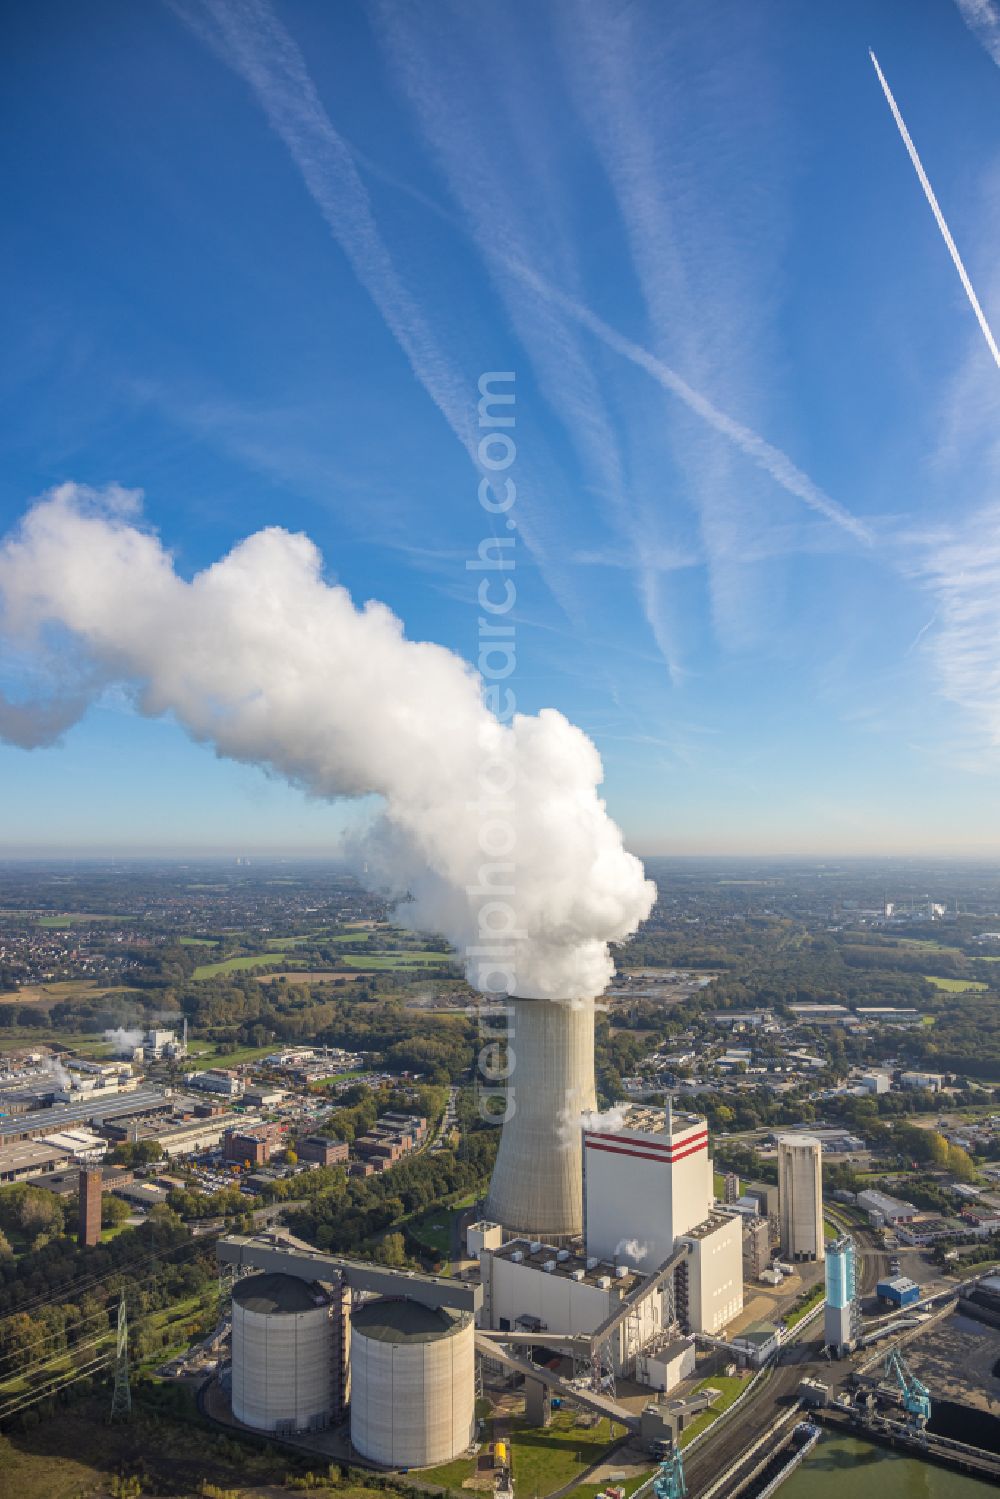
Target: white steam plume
630,1251
123,1041
62,1078
938,215
262,659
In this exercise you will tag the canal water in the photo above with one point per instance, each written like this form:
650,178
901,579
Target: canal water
839,1466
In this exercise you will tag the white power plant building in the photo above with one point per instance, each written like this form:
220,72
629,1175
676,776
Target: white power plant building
647,1178
800,1197
653,1238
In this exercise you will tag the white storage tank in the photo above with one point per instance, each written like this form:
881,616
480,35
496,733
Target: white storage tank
283,1353
412,1383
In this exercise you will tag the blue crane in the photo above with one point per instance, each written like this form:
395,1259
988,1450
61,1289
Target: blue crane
916,1396
670,1483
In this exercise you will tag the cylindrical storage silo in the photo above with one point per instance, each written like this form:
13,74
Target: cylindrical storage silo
283,1354
412,1383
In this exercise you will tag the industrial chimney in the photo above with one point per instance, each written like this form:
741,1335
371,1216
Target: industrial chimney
537,1185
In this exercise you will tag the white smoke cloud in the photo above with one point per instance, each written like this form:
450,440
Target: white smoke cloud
124,1042
261,658
629,1251
606,1122
59,1073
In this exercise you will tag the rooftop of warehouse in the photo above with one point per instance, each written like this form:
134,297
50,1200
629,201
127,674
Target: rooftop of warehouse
567,1260
401,1321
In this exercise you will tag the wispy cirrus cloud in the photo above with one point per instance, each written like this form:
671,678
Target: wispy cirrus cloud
983,19
248,37
494,144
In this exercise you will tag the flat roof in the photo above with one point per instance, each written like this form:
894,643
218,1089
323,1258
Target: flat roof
575,1260
642,1119
24,1153
277,1292
392,1321
44,1121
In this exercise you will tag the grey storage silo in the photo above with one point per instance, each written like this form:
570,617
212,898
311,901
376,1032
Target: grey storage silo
412,1383
286,1334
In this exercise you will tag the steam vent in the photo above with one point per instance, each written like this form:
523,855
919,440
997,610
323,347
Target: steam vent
537,1186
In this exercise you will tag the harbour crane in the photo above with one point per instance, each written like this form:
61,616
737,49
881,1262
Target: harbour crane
670,1482
916,1396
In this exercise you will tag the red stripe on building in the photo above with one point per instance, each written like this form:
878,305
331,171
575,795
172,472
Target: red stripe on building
644,1155
650,1147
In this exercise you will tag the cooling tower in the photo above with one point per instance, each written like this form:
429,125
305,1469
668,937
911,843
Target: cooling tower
537,1186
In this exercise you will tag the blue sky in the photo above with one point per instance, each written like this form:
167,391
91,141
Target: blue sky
256,258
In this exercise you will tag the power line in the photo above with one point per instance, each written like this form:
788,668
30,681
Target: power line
54,1387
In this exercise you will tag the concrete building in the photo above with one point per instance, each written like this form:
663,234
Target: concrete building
482,1235
882,1208
216,1080
756,1247
91,1189
730,1187
666,1363
800,1197
25,1160
709,1281
530,1286
876,1082
647,1179
933,1081
537,1183
840,1327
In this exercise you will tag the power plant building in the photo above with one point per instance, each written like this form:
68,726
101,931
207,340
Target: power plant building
800,1197
647,1178
412,1383
710,1280
533,1287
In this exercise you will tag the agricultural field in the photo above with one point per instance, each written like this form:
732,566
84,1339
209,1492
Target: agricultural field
955,986
68,989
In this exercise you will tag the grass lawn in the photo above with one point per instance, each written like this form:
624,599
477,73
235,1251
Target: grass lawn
548,1459
955,986
815,1296
198,941
964,1270
830,1231
591,1490
729,1387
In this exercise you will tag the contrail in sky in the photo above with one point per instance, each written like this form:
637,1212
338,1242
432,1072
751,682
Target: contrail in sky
939,216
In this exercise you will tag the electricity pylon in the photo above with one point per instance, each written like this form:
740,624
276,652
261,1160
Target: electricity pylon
121,1400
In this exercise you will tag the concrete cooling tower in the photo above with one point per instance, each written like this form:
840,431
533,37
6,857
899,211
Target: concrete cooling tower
537,1186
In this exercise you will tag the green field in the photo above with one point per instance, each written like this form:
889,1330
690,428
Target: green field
729,1387
405,959
212,1057
954,986
198,941
237,965
543,1459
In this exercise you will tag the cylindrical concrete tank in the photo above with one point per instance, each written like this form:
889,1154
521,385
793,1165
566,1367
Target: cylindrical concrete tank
283,1354
412,1383
537,1185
